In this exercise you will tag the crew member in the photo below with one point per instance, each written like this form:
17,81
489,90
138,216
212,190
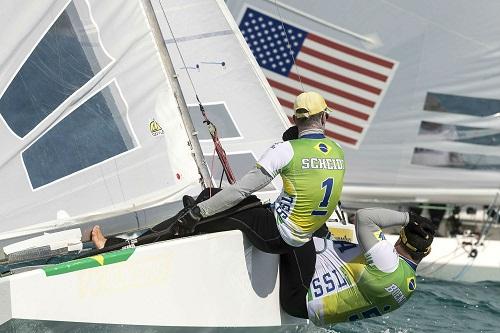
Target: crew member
312,169
331,281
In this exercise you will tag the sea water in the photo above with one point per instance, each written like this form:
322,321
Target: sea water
436,306
439,306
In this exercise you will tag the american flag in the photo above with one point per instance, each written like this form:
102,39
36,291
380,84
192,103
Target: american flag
352,81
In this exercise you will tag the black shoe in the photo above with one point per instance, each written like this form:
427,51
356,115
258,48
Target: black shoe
188,201
187,219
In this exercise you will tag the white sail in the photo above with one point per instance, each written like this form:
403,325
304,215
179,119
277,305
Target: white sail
228,81
433,132
89,124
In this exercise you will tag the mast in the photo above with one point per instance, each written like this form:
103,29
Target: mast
176,87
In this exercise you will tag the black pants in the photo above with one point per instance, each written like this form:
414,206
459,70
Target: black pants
258,224
296,272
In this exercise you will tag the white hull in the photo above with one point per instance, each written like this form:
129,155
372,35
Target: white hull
450,260
215,280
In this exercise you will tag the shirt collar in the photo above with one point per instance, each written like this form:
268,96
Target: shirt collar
409,262
312,134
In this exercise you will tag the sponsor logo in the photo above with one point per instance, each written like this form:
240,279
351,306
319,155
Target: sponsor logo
379,235
155,128
343,238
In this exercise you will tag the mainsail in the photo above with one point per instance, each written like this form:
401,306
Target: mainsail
90,126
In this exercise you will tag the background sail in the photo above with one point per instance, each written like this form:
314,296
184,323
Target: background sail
89,125
229,82
434,136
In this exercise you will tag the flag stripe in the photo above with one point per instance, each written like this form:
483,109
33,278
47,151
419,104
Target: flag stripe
342,71
281,86
286,104
340,137
333,105
338,77
344,64
348,110
350,51
345,57
332,90
355,110
303,72
341,131
345,124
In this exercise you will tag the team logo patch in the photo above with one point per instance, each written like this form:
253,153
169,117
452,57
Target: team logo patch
412,284
379,235
322,147
155,128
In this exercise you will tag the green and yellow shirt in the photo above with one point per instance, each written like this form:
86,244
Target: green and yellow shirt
348,286
312,169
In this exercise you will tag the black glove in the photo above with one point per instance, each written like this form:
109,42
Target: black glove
290,134
188,201
420,225
187,219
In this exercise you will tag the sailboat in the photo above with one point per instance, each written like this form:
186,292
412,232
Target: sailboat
416,106
99,126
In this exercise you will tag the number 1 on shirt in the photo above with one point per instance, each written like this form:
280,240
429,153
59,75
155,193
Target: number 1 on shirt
328,186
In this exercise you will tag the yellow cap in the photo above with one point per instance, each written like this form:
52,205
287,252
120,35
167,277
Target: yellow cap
308,104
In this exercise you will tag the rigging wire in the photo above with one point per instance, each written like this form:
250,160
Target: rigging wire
226,168
177,47
290,52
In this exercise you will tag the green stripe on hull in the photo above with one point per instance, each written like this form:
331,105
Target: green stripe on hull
90,262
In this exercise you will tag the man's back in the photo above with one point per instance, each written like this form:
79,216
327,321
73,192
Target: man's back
312,169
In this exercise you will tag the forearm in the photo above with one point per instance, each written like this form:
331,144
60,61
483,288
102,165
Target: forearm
370,220
253,181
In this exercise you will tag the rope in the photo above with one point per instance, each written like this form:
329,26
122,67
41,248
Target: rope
178,49
226,168
290,53
211,127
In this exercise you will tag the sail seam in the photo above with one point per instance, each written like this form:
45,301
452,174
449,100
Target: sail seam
199,36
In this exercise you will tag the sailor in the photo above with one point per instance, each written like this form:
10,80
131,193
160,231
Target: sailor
331,281
312,169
